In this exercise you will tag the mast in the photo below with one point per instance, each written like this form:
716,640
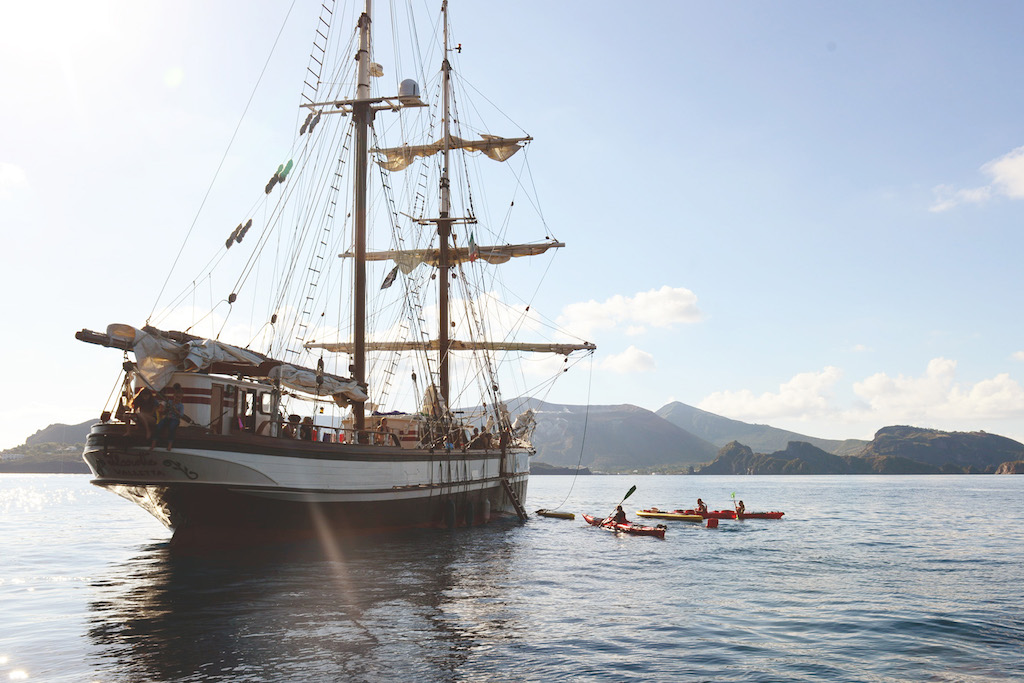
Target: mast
363,109
362,114
444,226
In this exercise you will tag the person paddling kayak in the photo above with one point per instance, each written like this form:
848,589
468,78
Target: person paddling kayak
617,517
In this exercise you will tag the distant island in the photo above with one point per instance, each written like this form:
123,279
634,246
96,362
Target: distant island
894,450
544,468
676,439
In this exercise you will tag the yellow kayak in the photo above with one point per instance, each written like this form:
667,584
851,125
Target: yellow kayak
664,514
559,515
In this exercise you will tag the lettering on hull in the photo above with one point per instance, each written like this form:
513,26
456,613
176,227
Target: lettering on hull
114,466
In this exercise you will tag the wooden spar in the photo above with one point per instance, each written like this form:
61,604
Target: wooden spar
444,227
362,115
256,370
456,345
102,339
491,254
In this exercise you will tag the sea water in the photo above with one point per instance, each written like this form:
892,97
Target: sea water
866,578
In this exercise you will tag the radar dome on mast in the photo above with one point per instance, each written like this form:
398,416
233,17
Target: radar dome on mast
409,92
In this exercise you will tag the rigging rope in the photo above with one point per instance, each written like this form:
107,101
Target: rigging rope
583,439
222,160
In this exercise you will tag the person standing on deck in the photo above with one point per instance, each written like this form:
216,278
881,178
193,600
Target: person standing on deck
144,406
174,410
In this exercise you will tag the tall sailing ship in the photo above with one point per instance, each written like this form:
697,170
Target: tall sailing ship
363,424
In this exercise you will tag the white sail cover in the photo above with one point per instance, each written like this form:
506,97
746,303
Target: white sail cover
155,357
158,358
408,259
495,147
302,379
205,352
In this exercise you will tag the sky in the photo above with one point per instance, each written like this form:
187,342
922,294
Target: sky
801,214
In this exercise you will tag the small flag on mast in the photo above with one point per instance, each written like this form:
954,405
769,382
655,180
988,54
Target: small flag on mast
474,252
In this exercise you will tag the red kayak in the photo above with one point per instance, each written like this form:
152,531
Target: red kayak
761,515
711,514
635,529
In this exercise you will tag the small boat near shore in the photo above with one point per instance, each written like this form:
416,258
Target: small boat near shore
634,529
556,515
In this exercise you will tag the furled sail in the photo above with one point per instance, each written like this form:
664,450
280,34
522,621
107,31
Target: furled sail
408,259
159,355
455,345
495,147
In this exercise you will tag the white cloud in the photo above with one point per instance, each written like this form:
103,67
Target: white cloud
936,395
1007,180
1008,173
805,395
907,396
947,197
12,178
999,397
630,360
1019,355
658,308
931,399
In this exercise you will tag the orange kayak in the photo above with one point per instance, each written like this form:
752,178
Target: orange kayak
711,514
635,529
761,515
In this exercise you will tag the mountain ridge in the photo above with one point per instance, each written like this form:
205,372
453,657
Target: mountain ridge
763,438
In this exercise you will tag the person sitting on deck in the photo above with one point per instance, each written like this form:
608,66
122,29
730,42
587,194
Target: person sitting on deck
306,430
701,506
383,437
479,440
291,430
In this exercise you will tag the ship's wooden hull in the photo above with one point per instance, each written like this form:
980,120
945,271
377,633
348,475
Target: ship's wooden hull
246,487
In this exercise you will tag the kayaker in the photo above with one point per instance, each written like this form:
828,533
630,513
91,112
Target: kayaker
740,508
618,517
702,507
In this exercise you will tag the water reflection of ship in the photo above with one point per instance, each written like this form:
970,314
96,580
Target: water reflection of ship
383,609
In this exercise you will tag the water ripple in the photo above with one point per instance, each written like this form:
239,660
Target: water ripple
841,589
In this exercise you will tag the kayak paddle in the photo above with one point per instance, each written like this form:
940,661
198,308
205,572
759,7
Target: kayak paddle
628,494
